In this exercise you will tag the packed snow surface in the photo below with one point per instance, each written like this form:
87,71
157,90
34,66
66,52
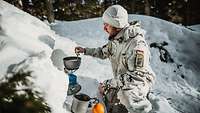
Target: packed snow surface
30,44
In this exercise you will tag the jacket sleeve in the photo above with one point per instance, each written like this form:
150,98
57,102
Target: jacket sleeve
100,52
138,60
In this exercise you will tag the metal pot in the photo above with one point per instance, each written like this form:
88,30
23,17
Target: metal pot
72,63
81,102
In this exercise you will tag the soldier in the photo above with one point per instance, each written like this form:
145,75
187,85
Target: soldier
129,55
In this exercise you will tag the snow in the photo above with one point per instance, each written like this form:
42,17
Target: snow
27,43
30,44
195,27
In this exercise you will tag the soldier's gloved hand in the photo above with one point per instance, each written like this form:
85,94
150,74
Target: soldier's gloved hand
79,50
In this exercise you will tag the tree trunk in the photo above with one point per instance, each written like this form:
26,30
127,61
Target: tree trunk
147,7
187,14
132,4
50,14
20,4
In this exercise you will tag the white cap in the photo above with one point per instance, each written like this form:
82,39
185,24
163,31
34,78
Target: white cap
116,16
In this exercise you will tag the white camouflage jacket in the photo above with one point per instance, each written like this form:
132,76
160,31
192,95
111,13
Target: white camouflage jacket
128,53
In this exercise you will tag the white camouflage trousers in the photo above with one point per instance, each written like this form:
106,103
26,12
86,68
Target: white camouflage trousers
133,94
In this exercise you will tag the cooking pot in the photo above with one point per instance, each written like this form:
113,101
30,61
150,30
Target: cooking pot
72,62
81,102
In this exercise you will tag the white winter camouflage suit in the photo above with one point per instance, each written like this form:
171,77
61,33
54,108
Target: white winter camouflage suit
129,55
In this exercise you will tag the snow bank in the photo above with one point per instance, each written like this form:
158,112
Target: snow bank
27,43
195,27
49,80
22,32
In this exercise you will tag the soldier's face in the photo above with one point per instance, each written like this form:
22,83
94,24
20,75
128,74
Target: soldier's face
112,31
109,29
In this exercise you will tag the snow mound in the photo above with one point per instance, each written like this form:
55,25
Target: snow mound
23,33
46,78
27,43
195,27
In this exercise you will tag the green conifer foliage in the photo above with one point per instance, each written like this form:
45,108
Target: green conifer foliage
18,95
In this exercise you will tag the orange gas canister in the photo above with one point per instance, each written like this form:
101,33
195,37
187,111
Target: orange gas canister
98,108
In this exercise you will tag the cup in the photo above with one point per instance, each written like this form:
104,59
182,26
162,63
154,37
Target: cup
81,103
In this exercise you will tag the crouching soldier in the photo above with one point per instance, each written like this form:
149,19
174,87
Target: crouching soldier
129,55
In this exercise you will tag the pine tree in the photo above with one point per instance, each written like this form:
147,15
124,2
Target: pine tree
17,95
50,13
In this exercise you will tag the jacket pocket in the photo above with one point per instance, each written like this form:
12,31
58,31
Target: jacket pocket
128,60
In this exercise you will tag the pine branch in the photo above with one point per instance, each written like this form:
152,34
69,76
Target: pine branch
18,96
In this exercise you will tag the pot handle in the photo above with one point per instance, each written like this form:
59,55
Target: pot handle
95,101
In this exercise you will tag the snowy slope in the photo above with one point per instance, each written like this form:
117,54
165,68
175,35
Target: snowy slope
28,43
195,27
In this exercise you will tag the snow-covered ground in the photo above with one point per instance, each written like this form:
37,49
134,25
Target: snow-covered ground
30,44
195,27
